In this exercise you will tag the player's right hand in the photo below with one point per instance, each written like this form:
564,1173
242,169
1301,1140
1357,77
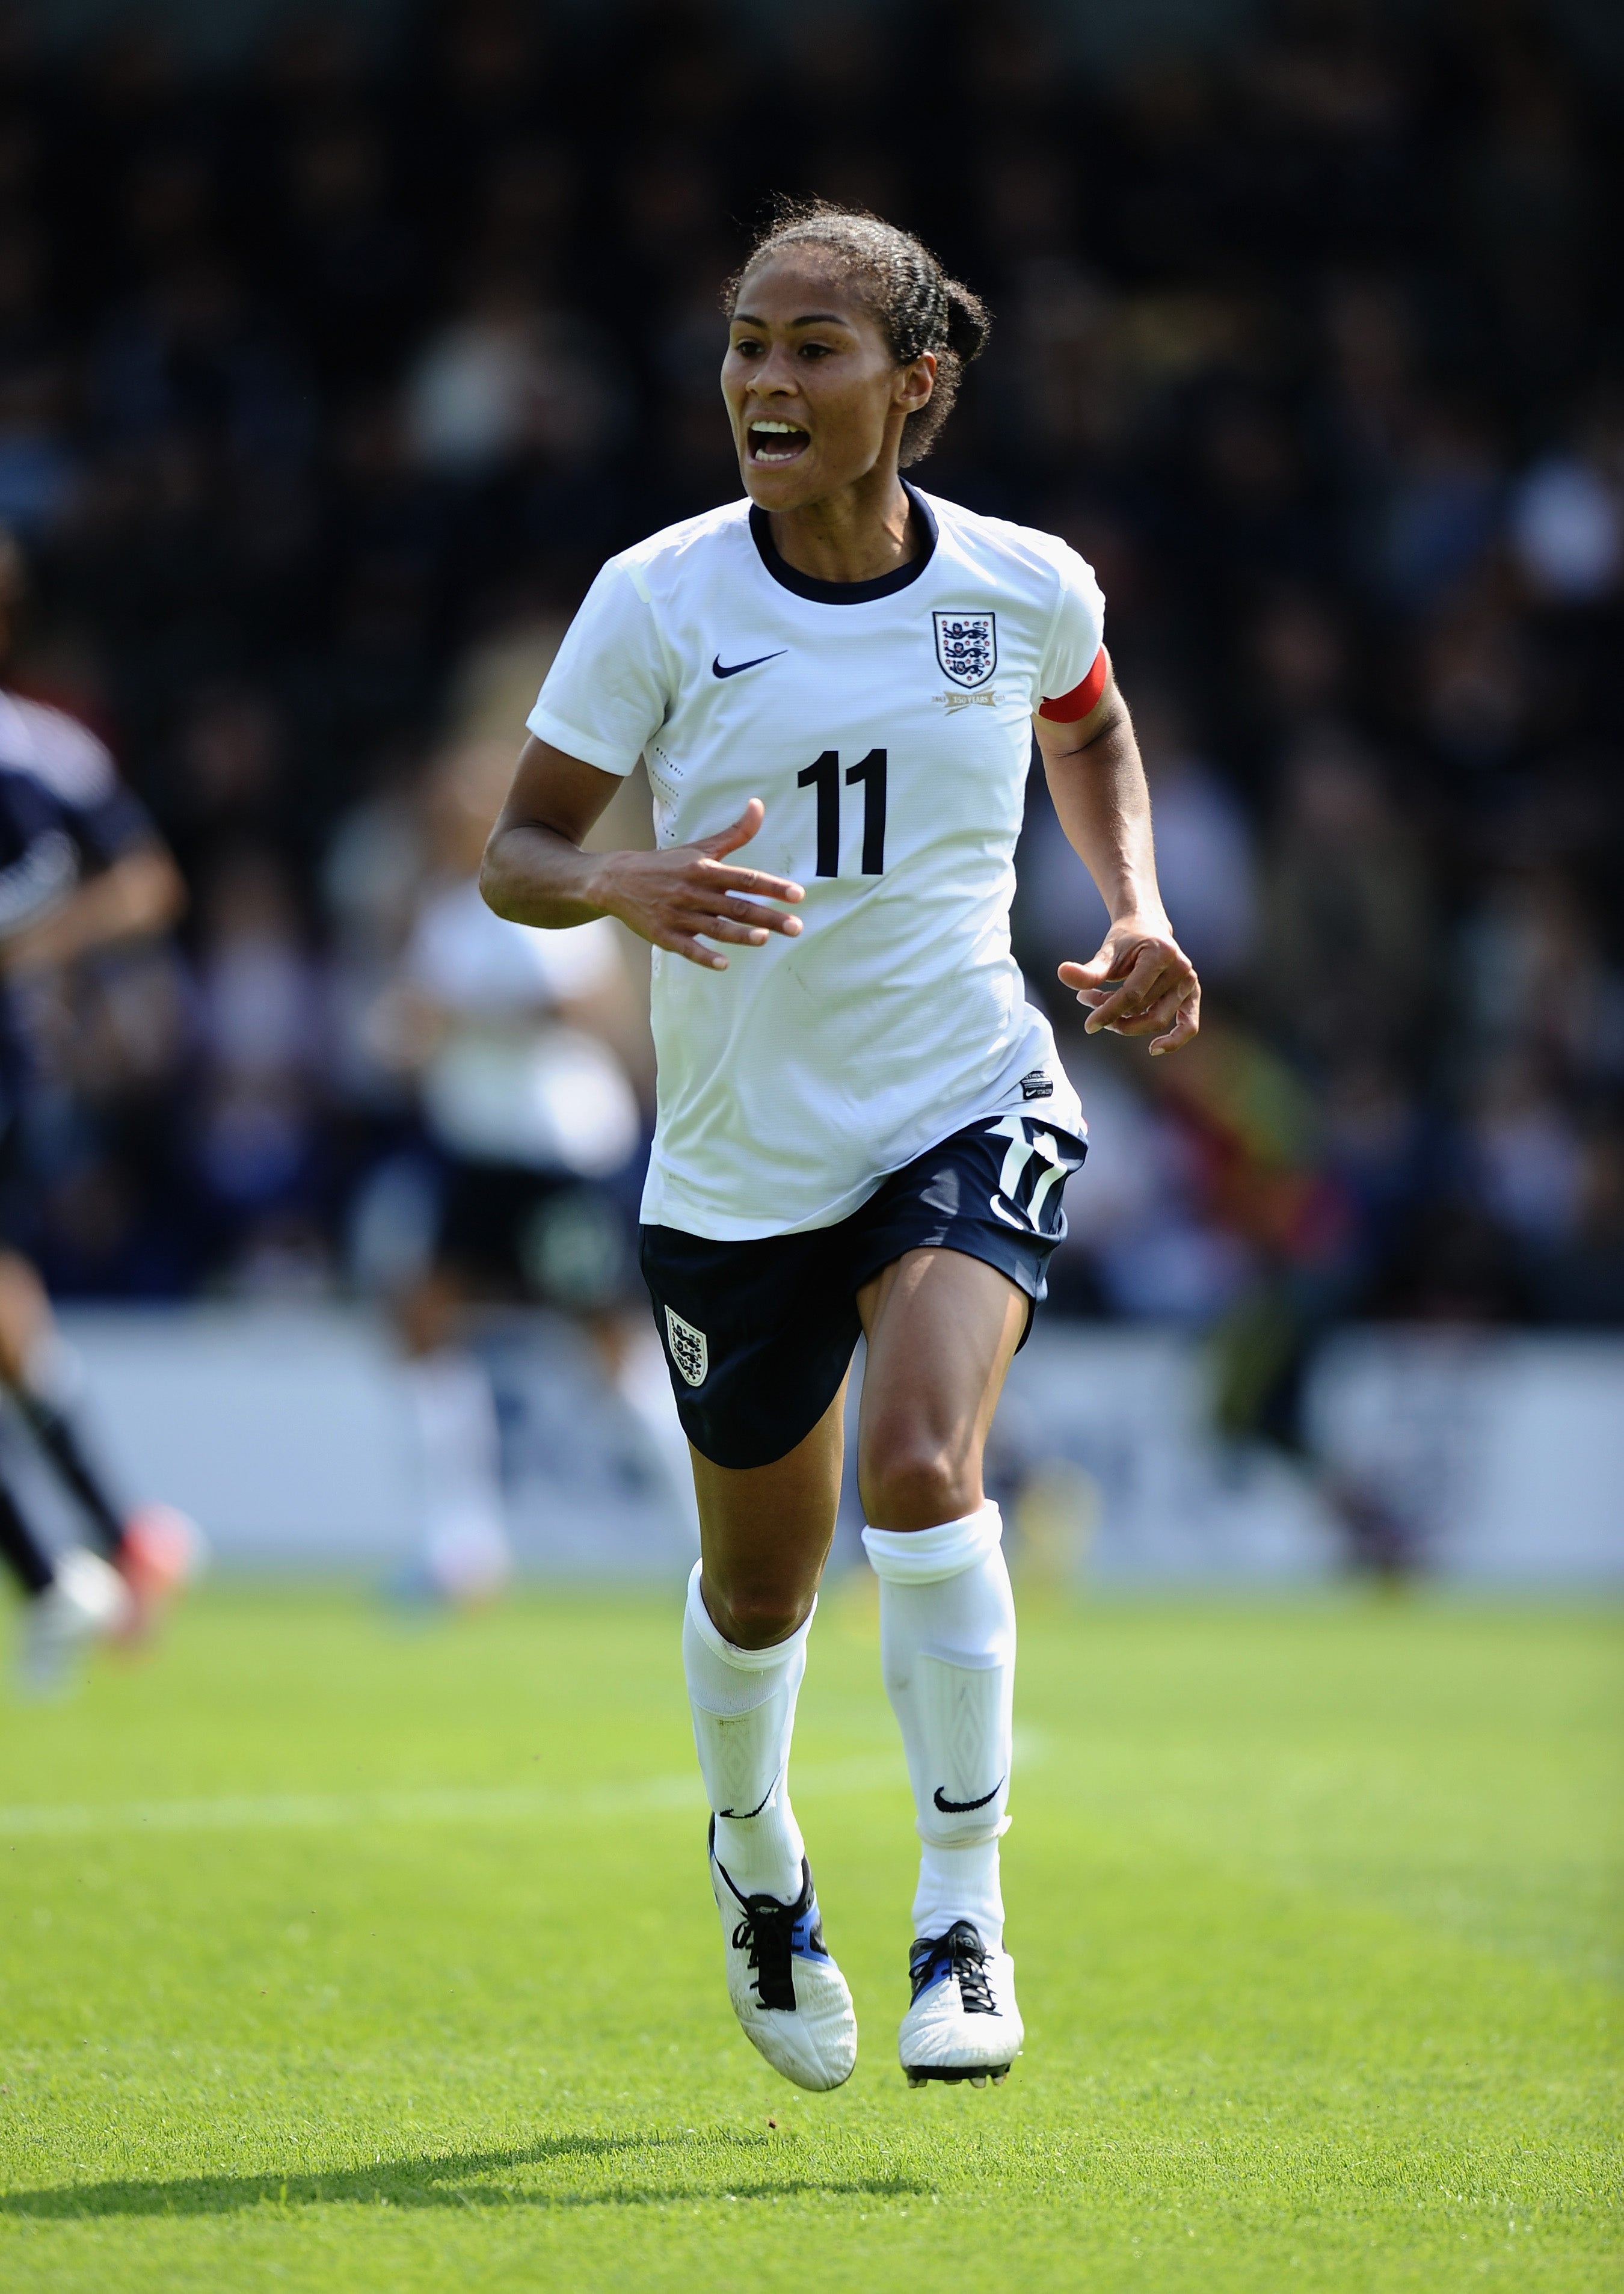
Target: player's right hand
671,897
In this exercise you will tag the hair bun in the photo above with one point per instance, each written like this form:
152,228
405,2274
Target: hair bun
968,322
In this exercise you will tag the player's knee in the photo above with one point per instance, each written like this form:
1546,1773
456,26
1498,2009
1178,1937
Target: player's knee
911,1484
751,1617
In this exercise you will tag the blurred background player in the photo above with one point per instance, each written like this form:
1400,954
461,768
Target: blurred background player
519,1184
82,871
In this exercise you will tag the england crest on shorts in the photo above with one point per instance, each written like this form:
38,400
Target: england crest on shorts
967,646
690,1351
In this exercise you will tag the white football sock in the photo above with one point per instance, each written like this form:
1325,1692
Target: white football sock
947,1652
743,1706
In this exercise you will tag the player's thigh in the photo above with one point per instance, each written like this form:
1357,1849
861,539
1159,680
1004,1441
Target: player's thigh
765,1532
942,1330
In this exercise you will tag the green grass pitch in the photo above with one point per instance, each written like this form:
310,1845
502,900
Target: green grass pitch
338,1954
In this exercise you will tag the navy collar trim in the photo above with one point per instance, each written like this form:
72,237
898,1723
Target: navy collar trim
845,593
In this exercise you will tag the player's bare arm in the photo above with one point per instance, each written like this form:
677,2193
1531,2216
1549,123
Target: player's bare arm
1141,982
535,872
140,895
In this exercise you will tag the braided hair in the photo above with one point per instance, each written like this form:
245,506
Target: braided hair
919,307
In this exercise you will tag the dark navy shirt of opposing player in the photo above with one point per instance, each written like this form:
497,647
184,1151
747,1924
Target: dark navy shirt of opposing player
64,817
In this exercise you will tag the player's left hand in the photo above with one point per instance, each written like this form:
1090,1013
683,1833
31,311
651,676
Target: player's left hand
1140,983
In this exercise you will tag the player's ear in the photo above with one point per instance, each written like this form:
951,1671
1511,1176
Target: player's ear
916,381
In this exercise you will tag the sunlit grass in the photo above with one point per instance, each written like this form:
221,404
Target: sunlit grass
338,1954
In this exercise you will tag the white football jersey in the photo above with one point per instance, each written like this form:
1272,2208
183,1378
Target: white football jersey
887,728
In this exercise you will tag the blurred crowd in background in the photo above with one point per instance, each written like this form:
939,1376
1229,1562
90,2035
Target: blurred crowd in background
326,382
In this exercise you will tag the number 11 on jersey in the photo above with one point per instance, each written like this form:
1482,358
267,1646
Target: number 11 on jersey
824,777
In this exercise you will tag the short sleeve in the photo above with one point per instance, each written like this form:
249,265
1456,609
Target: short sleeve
607,692
65,759
1074,666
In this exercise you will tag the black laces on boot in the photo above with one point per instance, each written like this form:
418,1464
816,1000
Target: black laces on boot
766,1930
962,1955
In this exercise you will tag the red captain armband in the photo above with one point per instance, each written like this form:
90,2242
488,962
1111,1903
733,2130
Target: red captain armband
1084,697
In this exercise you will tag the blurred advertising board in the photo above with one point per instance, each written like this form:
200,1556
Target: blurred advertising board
287,1432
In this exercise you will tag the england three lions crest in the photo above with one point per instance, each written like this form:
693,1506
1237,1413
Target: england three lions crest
689,1350
967,646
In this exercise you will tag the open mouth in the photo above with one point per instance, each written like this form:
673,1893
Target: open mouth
775,442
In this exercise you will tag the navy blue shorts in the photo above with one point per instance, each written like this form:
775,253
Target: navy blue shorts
759,1335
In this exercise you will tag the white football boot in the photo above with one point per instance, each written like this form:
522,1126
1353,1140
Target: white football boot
786,1991
87,1601
963,2023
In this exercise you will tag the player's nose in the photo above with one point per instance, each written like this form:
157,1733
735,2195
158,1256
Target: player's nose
774,376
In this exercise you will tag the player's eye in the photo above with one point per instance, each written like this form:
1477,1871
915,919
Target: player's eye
747,347
815,350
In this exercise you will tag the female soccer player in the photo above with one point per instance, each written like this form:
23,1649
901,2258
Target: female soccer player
862,1123
82,871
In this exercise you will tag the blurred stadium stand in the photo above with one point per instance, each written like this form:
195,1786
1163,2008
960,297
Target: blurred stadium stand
337,347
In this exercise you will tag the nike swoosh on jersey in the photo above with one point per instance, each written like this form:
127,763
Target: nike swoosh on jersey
963,1807
733,667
